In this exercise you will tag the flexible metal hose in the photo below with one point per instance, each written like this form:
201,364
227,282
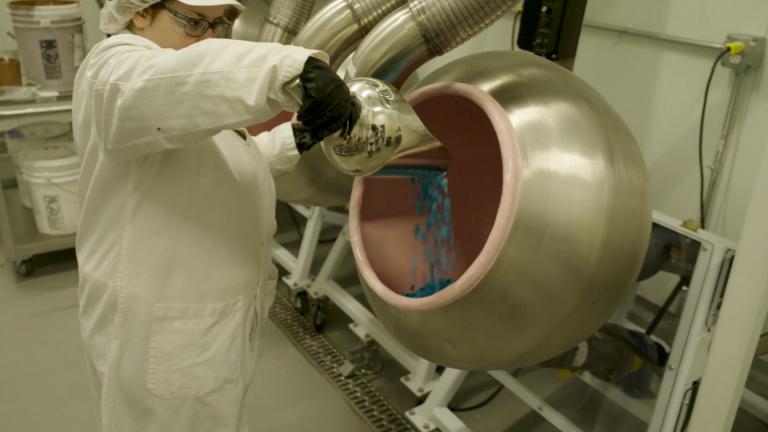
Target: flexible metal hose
398,41
285,19
368,13
336,29
446,24
339,27
422,30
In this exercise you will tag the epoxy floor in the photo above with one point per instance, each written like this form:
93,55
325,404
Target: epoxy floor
44,383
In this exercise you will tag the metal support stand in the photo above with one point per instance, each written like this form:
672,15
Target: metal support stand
744,308
299,267
434,413
422,374
681,284
755,404
19,236
684,369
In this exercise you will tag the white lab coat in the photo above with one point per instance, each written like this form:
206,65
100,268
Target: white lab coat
177,218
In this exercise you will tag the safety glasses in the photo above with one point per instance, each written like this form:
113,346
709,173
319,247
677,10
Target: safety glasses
196,26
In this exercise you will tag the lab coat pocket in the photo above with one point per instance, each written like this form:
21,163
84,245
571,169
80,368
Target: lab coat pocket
195,349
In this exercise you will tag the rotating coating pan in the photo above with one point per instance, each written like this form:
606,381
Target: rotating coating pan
550,211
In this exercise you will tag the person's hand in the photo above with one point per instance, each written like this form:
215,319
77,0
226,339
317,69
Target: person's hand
303,137
327,106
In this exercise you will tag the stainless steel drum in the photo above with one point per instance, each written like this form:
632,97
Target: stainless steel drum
550,211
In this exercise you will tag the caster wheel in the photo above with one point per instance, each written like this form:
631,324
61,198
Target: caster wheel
301,302
24,267
319,315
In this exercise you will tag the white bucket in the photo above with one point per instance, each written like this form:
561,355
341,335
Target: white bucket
52,175
50,38
35,136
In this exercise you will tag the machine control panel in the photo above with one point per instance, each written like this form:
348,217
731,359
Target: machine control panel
551,29
548,30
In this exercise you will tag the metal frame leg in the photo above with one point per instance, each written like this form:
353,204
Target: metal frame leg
299,277
283,256
534,401
335,257
422,374
755,404
744,307
690,347
434,413
299,267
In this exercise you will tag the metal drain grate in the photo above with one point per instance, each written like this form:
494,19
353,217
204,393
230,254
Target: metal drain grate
376,410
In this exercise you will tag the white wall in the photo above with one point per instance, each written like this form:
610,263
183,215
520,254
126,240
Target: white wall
658,88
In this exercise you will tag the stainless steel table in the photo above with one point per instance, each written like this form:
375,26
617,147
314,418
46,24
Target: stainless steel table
20,238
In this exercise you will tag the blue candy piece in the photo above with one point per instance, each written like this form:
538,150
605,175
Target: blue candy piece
432,201
444,232
429,289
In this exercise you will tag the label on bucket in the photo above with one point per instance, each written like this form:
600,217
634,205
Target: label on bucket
49,52
53,212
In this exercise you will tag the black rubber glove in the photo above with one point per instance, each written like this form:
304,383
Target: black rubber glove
303,137
327,106
306,138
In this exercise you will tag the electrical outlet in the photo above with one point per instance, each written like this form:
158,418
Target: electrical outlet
750,58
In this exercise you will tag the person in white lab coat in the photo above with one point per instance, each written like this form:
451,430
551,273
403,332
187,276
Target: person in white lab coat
178,206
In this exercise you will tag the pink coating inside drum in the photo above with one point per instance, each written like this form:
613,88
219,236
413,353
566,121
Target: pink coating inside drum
484,186
270,124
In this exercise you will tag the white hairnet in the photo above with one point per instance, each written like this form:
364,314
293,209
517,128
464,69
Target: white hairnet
116,14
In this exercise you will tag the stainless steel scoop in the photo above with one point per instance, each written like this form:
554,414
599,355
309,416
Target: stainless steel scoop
388,134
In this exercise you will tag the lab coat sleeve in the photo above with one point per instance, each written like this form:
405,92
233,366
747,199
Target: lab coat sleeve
148,99
278,147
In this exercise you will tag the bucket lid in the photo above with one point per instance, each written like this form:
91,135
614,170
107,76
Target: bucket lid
38,20
39,131
71,174
52,4
48,177
74,26
43,9
48,159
